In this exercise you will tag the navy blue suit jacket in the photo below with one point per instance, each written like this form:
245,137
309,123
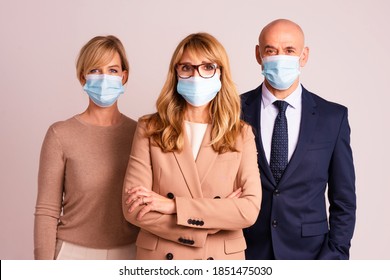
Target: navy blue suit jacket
293,222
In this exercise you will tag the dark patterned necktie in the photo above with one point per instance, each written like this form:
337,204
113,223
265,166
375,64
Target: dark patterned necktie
279,144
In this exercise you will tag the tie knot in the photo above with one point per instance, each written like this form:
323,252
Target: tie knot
281,105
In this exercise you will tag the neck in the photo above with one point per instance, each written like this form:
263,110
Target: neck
197,114
282,94
100,116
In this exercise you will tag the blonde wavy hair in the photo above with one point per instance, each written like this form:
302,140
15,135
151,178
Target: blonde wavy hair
165,127
97,52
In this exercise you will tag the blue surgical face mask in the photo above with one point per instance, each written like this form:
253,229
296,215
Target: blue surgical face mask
199,91
104,89
281,70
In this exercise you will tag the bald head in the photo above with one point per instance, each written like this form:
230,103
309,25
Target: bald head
282,37
283,26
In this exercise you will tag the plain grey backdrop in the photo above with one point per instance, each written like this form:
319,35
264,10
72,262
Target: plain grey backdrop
349,58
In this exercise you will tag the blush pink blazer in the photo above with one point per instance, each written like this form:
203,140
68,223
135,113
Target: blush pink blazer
207,224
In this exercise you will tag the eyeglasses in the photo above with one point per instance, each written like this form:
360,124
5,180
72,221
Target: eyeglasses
205,70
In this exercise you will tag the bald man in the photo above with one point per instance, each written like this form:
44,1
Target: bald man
303,144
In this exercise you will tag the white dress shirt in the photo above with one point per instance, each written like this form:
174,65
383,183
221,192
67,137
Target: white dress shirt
269,113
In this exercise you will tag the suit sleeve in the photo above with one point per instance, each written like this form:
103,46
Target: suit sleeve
140,173
49,199
228,213
342,197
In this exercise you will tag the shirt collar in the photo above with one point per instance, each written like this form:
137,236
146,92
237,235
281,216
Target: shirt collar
294,99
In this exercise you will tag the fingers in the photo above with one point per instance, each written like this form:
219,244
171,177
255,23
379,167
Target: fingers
145,203
154,202
136,189
139,201
146,209
135,193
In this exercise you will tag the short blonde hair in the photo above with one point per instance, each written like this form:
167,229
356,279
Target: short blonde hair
97,52
166,126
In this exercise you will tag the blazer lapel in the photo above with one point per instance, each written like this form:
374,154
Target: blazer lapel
206,156
308,122
186,163
252,115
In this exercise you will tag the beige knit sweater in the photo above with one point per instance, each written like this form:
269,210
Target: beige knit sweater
80,181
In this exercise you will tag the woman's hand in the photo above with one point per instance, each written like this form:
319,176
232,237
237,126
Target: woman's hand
151,201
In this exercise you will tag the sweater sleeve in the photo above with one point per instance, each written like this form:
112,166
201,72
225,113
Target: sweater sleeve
229,213
49,198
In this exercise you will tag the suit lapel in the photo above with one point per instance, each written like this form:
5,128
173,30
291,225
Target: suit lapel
206,156
194,173
308,122
186,163
252,115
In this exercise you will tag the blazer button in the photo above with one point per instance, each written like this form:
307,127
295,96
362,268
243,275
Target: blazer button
274,223
170,195
191,242
201,223
217,197
276,192
190,221
169,256
210,258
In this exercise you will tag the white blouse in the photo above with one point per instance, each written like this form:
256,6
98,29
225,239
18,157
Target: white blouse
195,133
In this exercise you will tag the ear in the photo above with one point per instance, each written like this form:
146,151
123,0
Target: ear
83,80
258,56
125,76
304,57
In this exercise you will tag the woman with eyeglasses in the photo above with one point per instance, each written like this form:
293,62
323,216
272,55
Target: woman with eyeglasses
192,182
82,165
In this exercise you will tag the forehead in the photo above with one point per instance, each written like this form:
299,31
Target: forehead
194,57
282,35
108,59
115,59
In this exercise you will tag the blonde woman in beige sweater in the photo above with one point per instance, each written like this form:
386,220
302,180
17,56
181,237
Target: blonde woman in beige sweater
83,161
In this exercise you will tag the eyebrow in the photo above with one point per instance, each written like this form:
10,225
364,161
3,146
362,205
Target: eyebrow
203,62
269,47
286,48
114,66
290,48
